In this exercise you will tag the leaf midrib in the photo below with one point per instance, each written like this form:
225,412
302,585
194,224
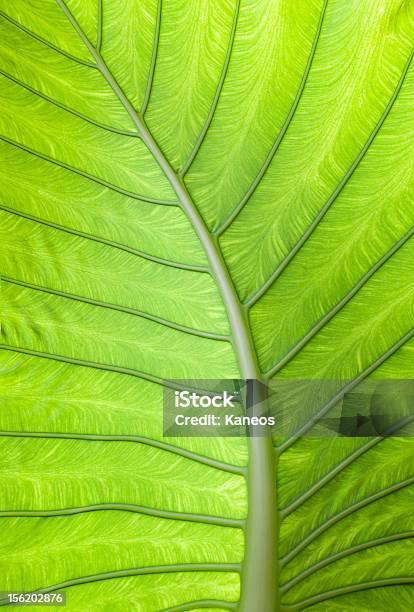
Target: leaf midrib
259,569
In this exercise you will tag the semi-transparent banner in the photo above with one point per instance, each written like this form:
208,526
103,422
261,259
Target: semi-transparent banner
285,408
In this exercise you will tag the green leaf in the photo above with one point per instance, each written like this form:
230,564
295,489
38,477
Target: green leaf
199,190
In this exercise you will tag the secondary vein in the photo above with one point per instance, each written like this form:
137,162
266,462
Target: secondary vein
138,571
68,109
220,521
92,364
165,446
108,242
352,588
116,307
346,389
256,295
86,175
217,94
202,603
343,514
151,72
237,210
46,42
309,571
311,333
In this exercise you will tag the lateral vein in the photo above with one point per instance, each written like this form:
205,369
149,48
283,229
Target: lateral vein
395,537
346,389
138,571
46,42
343,514
170,448
289,509
132,311
92,364
202,603
353,588
151,72
68,109
237,210
106,241
220,521
256,295
311,333
217,94
86,175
